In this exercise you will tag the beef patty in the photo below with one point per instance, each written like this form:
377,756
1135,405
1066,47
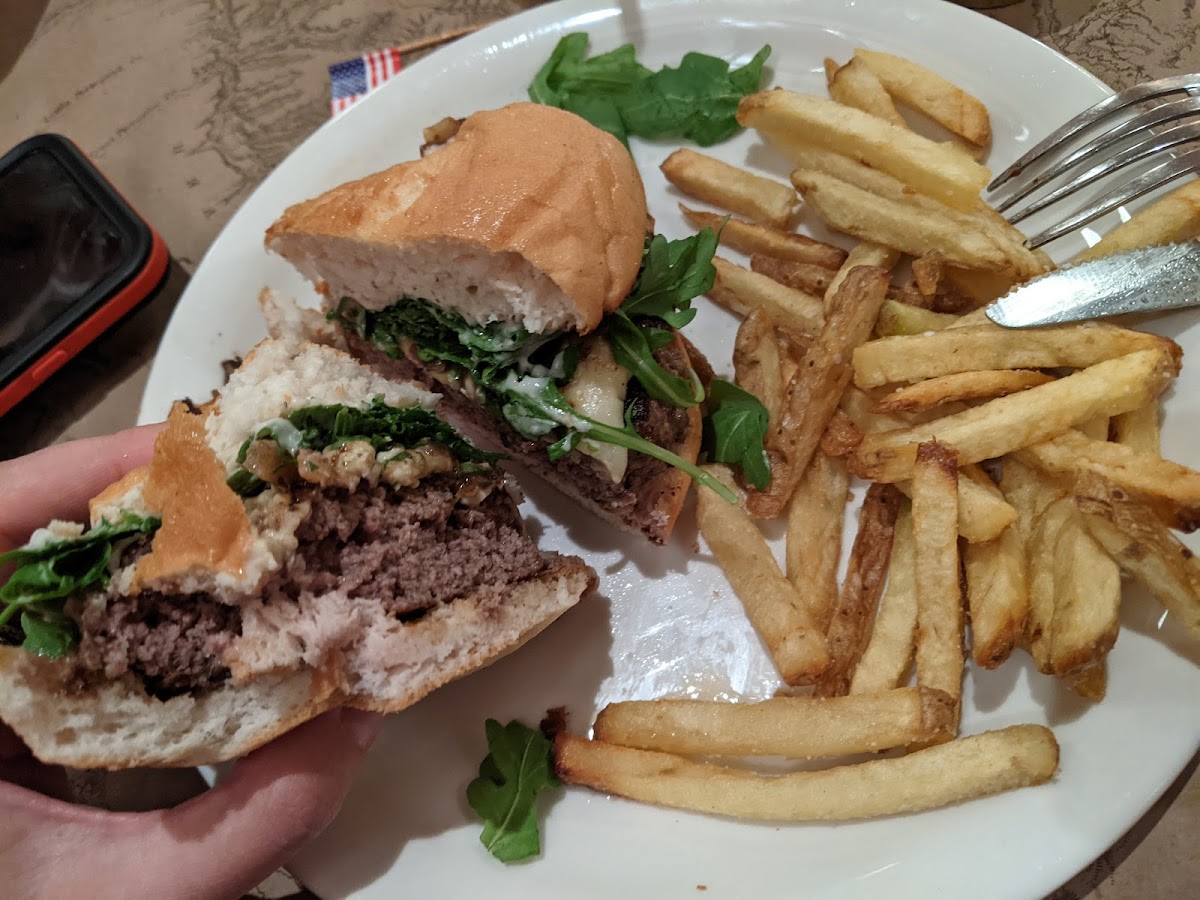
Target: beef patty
412,549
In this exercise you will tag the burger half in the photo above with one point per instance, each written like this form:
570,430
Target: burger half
314,537
511,270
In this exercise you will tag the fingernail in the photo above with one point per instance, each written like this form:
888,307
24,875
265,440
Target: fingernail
363,727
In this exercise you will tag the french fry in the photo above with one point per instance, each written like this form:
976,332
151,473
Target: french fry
751,238
816,514
982,287
1042,577
801,276
1091,683
863,254
1087,597
997,596
939,643
757,362
1143,547
1173,218
924,165
907,227
841,435
971,349
814,392
1010,423
898,318
1172,491
741,290
790,727
1138,429
982,513
944,295
890,650
1096,428
704,178
930,94
961,386
772,605
850,628
854,84
1018,756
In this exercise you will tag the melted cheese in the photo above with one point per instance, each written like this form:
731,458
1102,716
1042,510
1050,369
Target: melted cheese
598,392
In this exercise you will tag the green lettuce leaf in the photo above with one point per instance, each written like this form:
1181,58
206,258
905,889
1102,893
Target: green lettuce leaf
735,429
697,101
518,767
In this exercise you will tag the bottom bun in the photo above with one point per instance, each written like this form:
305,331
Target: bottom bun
118,725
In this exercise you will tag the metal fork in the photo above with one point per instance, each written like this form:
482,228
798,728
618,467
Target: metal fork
1144,134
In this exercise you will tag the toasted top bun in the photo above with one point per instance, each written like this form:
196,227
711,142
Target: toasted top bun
530,214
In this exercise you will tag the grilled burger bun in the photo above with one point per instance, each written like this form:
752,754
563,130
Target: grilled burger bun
532,218
317,539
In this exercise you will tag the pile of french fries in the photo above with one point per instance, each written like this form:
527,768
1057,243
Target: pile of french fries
1013,475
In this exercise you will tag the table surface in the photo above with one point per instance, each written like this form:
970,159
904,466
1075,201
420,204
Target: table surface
187,104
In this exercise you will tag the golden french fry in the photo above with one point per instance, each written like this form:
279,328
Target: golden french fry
751,238
1091,683
898,318
982,513
907,227
1042,577
942,292
971,349
1096,428
1173,218
841,435
890,649
814,392
772,605
939,642
924,165
850,628
930,94
961,386
1143,547
863,254
1138,429
854,84
1018,756
757,362
1087,597
760,199
1010,423
816,514
791,727
1172,491
741,290
799,275
997,596
982,287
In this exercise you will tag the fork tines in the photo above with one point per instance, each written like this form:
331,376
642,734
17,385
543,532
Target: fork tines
1145,135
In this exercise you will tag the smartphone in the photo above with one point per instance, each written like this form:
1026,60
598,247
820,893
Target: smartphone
74,260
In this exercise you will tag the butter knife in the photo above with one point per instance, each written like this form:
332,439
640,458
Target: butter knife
1137,281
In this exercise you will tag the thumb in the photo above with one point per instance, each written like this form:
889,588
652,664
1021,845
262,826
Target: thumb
225,841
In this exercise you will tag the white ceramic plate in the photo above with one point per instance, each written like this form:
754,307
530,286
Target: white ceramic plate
666,622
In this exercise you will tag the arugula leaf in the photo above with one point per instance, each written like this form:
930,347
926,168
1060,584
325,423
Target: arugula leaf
45,576
673,273
735,429
698,100
517,768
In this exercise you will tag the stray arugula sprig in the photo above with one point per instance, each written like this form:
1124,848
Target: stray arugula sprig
615,92
47,575
518,767
335,425
673,274
735,429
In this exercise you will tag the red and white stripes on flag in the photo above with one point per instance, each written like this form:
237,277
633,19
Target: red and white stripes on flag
353,79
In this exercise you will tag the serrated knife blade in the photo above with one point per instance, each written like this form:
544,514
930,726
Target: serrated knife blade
1137,281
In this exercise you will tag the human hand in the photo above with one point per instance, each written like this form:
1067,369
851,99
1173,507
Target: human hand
217,845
